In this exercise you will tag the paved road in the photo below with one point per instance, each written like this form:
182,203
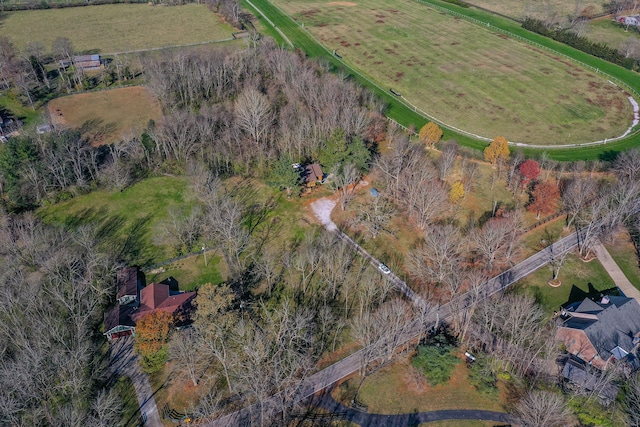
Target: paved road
122,361
347,366
615,273
404,420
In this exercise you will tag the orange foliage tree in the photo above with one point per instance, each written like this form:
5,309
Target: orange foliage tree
498,151
152,336
430,134
544,198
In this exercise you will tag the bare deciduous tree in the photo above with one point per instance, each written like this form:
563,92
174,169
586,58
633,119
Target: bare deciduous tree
184,349
447,159
542,409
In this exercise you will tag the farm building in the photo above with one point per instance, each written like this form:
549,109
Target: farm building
84,62
632,21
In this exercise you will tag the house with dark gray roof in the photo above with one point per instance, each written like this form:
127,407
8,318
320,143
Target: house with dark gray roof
599,332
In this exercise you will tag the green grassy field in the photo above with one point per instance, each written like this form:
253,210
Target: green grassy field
191,272
399,111
466,75
606,31
576,277
126,220
624,254
116,27
390,391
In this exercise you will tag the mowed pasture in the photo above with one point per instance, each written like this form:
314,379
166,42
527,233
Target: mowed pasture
466,75
116,28
114,114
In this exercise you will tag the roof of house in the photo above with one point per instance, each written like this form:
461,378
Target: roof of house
127,281
120,315
610,324
576,373
157,296
312,173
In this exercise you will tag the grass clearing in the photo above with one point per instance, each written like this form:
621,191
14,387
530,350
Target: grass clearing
605,30
577,277
116,27
624,254
130,407
191,272
126,220
116,113
469,76
389,391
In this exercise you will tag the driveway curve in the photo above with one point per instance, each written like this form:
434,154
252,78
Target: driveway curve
327,402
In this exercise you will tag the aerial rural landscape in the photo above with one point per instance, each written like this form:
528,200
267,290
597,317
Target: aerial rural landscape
320,213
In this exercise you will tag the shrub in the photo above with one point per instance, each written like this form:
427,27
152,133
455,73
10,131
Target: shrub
436,362
482,376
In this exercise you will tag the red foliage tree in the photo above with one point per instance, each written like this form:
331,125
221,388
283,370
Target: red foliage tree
544,198
529,170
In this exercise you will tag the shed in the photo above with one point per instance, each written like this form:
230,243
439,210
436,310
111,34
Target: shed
312,175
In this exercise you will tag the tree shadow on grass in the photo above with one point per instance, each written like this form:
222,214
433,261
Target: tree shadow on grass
122,239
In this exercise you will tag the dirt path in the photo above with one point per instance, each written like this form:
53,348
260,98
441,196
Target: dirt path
615,273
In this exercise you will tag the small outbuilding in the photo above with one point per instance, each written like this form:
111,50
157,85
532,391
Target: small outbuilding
312,175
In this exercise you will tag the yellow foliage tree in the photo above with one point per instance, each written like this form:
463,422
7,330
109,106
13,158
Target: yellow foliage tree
457,192
497,151
430,134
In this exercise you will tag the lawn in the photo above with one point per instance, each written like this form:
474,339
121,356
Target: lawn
577,278
131,408
624,254
115,113
606,31
191,272
126,220
116,27
389,391
466,75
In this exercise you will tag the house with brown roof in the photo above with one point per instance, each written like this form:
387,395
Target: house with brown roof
603,331
158,297
130,281
118,322
136,301
312,175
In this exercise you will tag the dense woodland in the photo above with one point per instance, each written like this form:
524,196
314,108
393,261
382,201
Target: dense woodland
290,298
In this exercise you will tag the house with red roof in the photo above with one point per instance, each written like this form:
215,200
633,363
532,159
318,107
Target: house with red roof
158,297
136,301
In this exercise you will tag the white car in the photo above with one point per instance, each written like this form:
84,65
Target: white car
384,269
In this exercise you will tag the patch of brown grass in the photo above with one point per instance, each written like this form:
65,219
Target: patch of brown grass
114,114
